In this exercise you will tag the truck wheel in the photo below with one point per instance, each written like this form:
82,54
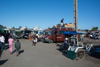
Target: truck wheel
50,41
42,39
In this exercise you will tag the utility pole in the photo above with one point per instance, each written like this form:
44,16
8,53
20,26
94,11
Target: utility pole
75,15
76,18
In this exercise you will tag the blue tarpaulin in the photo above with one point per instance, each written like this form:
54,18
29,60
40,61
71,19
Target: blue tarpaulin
70,32
73,32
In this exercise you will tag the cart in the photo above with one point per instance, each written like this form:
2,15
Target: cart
75,49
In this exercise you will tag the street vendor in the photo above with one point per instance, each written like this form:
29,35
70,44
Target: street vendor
66,45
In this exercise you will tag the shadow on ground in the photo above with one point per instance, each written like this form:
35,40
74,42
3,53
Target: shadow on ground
3,61
6,47
22,51
62,50
0,53
14,51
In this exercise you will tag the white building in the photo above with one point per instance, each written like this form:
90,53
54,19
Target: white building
37,30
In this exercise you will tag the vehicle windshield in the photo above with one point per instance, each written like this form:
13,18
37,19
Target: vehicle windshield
50,32
26,34
27,31
18,33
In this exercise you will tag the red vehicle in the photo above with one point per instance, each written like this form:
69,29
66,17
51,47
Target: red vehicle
56,34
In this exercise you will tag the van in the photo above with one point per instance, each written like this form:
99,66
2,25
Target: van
26,34
56,34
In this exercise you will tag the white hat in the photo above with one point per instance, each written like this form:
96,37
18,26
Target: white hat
66,38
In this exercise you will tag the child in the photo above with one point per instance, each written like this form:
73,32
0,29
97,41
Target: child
17,46
10,40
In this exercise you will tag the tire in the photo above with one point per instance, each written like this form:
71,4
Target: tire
50,41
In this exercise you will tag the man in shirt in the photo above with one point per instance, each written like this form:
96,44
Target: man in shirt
2,41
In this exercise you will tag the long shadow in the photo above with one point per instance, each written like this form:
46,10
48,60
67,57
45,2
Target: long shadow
62,50
22,51
14,51
95,52
59,45
3,61
0,53
6,47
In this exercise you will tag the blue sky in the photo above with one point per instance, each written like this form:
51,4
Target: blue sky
46,13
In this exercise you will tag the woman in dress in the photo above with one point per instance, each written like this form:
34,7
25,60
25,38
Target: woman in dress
11,41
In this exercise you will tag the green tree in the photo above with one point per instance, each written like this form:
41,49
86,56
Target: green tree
20,27
94,28
86,30
13,27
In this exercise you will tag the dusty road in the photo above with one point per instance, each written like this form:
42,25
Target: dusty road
43,55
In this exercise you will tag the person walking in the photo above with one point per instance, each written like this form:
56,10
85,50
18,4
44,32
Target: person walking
18,47
34,40
2,41
11,41
30,37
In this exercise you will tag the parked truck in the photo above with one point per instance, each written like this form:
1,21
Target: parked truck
18,34
43,34
26,34
56,34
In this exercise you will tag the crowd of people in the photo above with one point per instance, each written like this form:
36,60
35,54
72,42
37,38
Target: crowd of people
10,40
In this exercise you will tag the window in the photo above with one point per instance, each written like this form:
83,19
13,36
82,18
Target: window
61,32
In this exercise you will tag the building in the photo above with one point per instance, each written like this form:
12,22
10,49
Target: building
37,30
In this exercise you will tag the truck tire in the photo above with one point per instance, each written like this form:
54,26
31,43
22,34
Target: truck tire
50,41
41,39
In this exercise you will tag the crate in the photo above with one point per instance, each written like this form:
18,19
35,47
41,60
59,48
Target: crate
71,55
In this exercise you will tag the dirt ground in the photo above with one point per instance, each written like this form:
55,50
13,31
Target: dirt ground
43,55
